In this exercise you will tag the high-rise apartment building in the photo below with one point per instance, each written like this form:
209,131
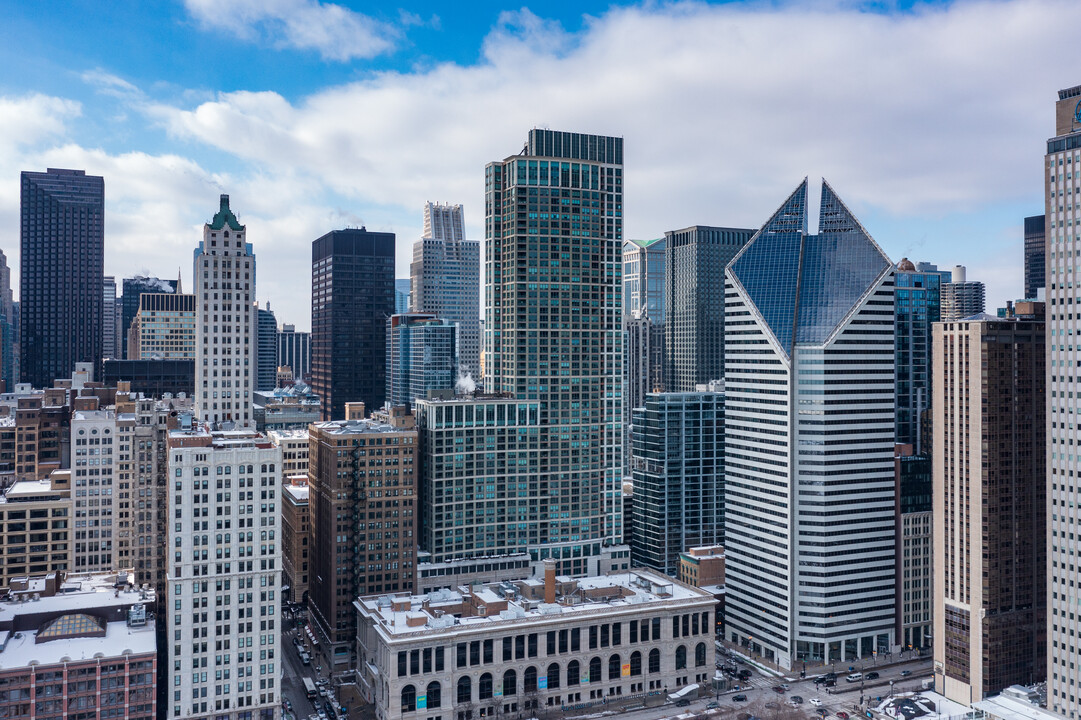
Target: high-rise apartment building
643,358
225,333
809,421
363,476
677,462
110,343
133,289
266,361
422,357
62,238
918,305
643,278
1035,255
226,570
694,305
643,328
446,278
990,514
961,297
164,327
352,297
561,344
1062,210
295,351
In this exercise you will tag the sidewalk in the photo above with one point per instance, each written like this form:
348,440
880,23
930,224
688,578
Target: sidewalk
815,667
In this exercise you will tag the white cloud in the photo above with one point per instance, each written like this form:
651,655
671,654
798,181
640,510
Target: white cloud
336,32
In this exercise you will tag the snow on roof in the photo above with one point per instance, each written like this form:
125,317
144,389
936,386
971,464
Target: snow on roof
22,648
76,594
300,493
1008,708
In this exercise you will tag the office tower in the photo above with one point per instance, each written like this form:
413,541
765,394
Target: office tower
917,306
133,288
961,298
95,451
422,357
562,346
694,304
286,408
295,351
354,468
810,464
914,595
1035,260
225,334
110,344
226,484
643,278
62,238
9,343
445,273
164,327
266,362
79,646
49,501
352,297
643,356
1061,181
990,514
153,377
7,304
401,295
677,462
296,539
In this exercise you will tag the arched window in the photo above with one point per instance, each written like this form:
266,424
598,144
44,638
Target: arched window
636,663
681,657
654,660
484,687
510,683
553,676
435,695
465,689
595,670
409,698
700,655
613,667
529,679
574,671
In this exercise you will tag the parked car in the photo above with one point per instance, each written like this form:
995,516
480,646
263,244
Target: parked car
683,702
713,705
871,676
906,673
739,698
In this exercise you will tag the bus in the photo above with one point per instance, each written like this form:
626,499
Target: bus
309,688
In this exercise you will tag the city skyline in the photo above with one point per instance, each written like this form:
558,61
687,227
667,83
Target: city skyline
167,140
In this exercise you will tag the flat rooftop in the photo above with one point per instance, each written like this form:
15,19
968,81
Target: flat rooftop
299,493
20,649
358,427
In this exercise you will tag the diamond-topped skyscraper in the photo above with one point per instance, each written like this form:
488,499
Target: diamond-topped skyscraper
553,331
809,387
224,322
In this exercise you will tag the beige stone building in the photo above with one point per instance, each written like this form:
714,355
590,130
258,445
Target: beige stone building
35,527
702,566
294,445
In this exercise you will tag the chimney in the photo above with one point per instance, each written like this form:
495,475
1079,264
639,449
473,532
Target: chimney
549,580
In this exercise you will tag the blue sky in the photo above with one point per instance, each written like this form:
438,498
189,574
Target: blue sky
928,118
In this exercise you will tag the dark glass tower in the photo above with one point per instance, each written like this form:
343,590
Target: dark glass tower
266,353
352,297
917,306
63,241
695,259
1035,257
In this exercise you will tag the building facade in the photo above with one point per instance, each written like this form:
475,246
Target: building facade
296,540
643,363
362,475
95,446
961,297
110,343
62,241
445,275
918,305
562,345
915,596
401,295
1035,256
295,447
163,327
1061,179
989,506
295,351
45,507
133,289
352,297
224,574
289,408
224,322
153,377
266,361
677,466
422,357
809,418
533,647
695,259
643,278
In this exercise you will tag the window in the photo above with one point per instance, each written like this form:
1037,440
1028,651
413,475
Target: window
507,654
553,676
465,689
636,663
409,698
595,670
510,683
460,661
681,657
484,687
654,660
574,670
434,694
529,679
613,667
700,655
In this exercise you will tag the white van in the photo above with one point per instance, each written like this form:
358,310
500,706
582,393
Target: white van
854,677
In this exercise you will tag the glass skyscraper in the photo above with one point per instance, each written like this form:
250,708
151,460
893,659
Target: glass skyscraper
133,288
917,306
809,422
1035,256
62,236
266,355
422,356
